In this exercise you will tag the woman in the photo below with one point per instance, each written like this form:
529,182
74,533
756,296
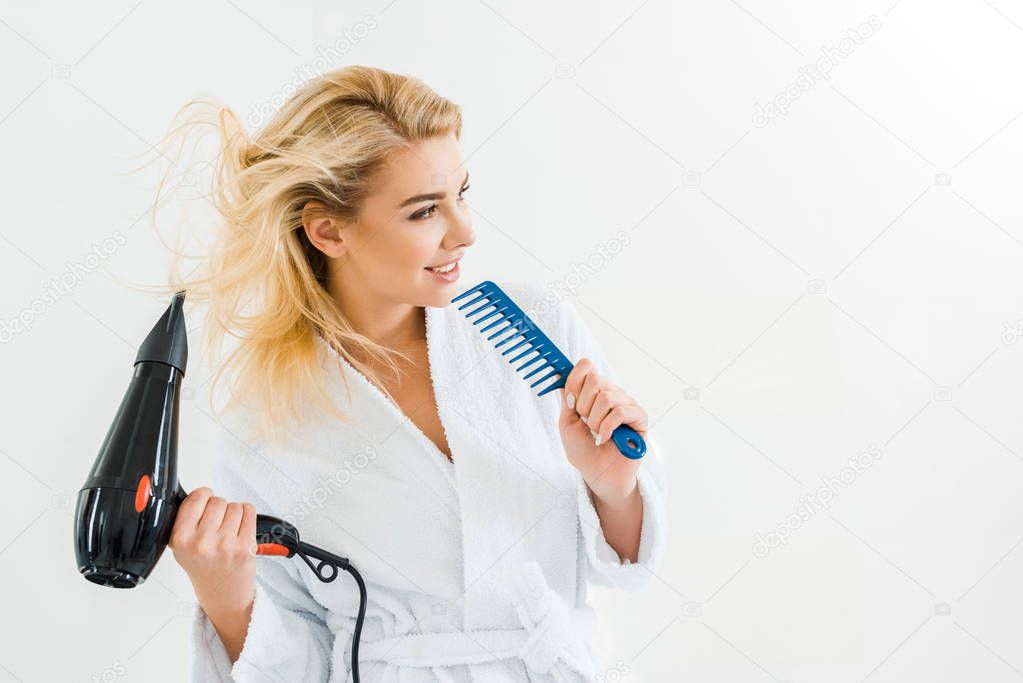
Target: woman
475,511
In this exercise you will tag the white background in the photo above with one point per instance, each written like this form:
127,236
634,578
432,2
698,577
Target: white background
846,276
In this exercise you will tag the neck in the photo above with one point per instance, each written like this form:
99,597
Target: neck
389,323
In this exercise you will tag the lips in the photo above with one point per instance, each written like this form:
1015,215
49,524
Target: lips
450,273
446,263
450,270
444,270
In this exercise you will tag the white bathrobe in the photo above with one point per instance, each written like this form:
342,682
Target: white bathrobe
475,570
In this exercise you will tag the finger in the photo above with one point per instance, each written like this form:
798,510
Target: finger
232,519
592,384
575,379
248,525
606,399
191,509
213,515
568,416
247,530
632,415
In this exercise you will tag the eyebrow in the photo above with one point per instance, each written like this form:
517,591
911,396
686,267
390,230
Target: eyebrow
432,195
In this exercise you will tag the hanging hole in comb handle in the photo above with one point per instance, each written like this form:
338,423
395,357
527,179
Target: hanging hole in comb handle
629,442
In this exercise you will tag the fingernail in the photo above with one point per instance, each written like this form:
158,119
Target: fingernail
585,421
570,399
597,440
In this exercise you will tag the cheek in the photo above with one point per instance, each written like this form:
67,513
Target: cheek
404,251
417,250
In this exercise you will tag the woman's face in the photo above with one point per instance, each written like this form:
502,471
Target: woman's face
415,217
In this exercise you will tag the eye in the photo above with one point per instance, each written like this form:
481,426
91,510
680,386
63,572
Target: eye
425,213
429,211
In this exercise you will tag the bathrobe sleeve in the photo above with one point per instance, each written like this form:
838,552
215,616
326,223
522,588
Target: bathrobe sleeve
604,566
287,639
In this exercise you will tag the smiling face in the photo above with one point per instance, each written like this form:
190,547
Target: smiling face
414,217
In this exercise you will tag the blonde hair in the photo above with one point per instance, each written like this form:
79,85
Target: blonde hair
264,282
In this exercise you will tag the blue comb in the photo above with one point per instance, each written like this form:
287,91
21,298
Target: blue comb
510,316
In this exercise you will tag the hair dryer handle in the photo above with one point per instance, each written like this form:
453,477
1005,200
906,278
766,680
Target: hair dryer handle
274,536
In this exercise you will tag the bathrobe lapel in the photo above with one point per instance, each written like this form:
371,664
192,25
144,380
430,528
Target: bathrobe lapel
516,490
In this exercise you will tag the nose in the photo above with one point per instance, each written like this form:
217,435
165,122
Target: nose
461,232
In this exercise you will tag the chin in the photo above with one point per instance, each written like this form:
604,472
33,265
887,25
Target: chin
441,296
438,292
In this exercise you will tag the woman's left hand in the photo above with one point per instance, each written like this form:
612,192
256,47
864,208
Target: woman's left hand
591,402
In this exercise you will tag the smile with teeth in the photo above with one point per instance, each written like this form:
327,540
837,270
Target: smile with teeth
444,269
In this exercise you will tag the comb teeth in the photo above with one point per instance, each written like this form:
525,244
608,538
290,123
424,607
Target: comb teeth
492,304
513,324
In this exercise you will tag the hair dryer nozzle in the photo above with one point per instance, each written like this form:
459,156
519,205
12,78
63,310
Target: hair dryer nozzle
168,341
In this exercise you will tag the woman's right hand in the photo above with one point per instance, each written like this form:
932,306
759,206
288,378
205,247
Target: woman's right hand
215,543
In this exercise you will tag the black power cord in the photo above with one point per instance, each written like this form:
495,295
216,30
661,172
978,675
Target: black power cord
333,562
276,531
358,622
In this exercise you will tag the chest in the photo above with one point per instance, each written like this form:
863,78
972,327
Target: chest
412,390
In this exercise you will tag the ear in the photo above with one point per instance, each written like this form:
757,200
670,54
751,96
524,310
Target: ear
324,231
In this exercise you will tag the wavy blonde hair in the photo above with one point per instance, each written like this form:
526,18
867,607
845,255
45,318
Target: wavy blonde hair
262,279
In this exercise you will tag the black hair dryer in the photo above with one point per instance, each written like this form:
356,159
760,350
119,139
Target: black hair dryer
126,509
